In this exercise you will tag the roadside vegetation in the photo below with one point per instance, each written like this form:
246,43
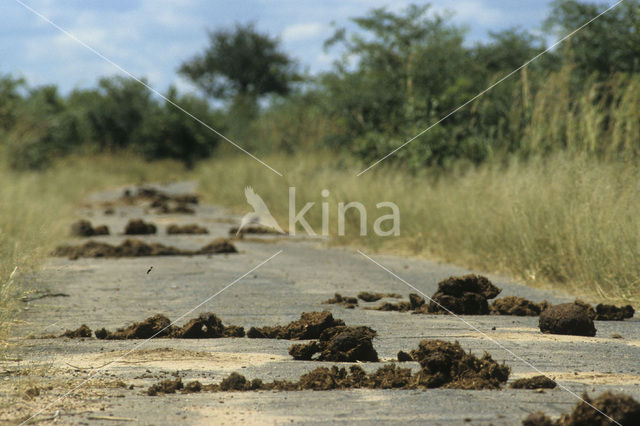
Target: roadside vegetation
562,221
537,178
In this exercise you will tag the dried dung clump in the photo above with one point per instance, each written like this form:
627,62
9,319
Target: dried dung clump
591,313
386,377
338,299
186,198
157,325
219,245
139,227
156,196
458,286
253,229
165,386
236,382
174,229
512,305
136,248
366,296
622,408
607,312
613,313
466,295
535,382
83,228
446,364
168,207
80,332
567,318
416,303
391,307
404,357
309,326
339,344
205,326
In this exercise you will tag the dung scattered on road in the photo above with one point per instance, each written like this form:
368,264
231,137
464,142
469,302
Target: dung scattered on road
513,305
139,227
165,387
622,408
81,332
338,299
137,248
465,295
174,229
366,296
567,318
535,382
339,344
168,207
253,229
156,196
309,326
444,364
205,326
613,313
416,303
84,228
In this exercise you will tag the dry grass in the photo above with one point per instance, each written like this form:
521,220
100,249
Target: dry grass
563,221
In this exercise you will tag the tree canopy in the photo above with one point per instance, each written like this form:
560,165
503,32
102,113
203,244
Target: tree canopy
241,62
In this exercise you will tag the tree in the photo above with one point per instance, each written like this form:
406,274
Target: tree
400,72
10,98
173,134
508,50
43,129
405,62
119,112
609,44
241,64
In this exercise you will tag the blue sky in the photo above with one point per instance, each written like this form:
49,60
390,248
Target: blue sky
151,38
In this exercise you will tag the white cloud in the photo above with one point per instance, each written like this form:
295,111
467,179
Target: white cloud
300,32
476,12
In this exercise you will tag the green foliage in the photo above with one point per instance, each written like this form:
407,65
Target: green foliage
239,67
241,62
404,65
119,115
10,98
170,133
411,70
508,50
610,44
43,129
117,112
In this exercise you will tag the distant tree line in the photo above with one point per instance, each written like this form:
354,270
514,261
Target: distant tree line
397,74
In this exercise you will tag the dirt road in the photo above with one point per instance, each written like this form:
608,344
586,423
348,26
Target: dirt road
112,293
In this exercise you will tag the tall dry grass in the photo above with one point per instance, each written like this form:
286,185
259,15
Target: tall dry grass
567,221
37,207
598,118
